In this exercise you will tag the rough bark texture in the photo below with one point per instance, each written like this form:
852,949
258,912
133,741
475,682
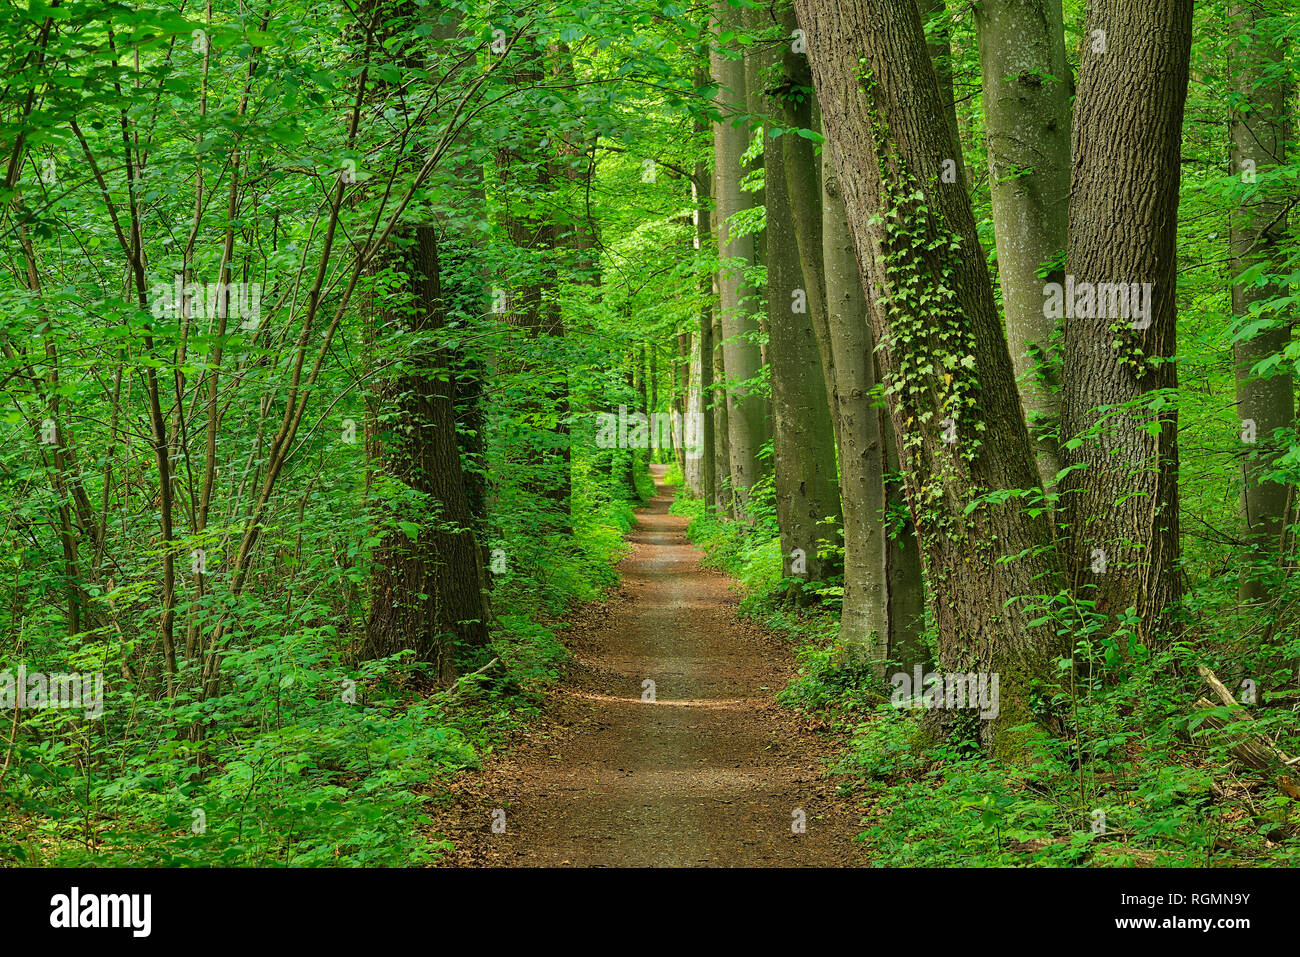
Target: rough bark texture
1259,131
942,352
429,594
804,439
746,412
905,585
1027,114
1122,504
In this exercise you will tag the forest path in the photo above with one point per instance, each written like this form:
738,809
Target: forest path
711,773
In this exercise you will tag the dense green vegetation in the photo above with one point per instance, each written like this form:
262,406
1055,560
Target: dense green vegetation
327,328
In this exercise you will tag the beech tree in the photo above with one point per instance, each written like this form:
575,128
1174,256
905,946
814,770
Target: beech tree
746,414
1026,87
1259,128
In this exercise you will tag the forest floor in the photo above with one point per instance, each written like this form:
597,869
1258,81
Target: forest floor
710,773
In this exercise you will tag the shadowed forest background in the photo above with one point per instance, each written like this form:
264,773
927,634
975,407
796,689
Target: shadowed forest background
338,338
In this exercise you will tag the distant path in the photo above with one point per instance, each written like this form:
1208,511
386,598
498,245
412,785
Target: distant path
709,774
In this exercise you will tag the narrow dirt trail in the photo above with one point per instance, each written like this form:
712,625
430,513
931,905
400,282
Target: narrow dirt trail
711,772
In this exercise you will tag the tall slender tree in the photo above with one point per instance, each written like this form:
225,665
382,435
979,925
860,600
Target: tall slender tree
1259,129
1027,117
804,437
746,408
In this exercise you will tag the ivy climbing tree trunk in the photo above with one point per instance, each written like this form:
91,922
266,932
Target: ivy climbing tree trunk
963,447
1121,499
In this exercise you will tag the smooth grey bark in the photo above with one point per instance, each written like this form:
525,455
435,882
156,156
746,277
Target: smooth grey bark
883,605
704,335
718,401
804,438
691,472
746,412
864,613
721,434
1259,130
795,108
1027,119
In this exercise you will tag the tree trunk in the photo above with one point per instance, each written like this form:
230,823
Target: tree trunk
704,332
796,109
429,590
883,606
746,408
947,374
804,440
721,427
1121,504
935,16
1027,111
864,614
1259,130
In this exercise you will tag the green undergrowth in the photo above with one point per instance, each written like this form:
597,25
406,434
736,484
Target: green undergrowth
305,757
1130,775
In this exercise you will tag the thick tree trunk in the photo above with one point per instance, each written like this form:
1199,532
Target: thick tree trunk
429,586
746,412
1121,503
1259,131
948,376
1027,111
